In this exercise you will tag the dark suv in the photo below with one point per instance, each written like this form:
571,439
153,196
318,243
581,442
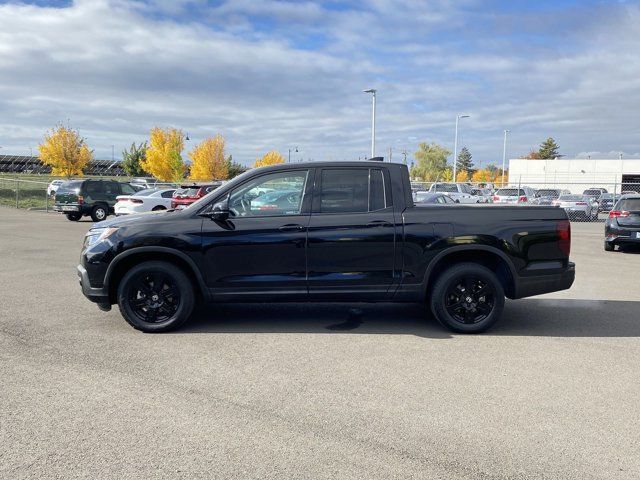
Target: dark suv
78,198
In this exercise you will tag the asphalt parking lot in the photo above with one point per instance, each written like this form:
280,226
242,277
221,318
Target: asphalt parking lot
314,391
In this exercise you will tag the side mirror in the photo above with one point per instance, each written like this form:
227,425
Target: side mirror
220,211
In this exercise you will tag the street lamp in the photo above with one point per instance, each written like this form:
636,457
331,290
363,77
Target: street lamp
455,146
373,91
504,154
296,150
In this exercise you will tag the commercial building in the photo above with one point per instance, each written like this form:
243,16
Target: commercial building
576,174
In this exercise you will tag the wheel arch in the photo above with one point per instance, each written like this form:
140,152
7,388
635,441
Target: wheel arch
485,255
125,260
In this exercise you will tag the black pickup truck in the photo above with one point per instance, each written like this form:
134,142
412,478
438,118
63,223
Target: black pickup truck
327,232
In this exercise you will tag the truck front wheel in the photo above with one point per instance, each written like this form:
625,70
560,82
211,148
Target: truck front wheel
467,298
155,297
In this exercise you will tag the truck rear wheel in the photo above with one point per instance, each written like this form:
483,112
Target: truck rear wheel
467,298
155,297
74,217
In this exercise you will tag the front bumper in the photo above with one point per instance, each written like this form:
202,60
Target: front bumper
539,284
98,295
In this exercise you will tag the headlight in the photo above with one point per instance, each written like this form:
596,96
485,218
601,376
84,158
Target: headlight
98,235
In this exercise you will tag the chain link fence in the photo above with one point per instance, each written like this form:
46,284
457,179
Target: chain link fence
21,193
36,194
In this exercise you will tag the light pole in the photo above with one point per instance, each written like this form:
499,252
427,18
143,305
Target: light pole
455,146
373,120
295,150
504,154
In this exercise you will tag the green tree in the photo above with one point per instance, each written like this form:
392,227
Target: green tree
132,158
431,162
549,149
465,164
235,168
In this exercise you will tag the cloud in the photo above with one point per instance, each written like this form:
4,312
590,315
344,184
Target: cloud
276,74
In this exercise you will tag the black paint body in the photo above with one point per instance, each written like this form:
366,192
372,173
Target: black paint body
392,254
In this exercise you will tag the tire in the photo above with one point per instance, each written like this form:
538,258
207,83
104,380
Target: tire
608,247
149,308
453,283
99,213
73,217
158,208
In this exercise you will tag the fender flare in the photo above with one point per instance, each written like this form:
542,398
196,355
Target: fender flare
462,248
165,250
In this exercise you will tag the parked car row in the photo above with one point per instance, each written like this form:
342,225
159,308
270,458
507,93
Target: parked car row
585,206
101,198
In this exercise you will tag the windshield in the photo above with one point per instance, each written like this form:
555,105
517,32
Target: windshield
70,187
509,192
205,200
592,191
445,187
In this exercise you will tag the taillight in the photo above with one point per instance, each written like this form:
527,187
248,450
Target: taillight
496,198
80,199
135,200
268,207
563,229
523,199
581,203
618,213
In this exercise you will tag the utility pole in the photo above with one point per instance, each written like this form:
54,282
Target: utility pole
373,120
504,154
390,153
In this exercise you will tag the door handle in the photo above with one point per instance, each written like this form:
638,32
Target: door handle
378,223
291,228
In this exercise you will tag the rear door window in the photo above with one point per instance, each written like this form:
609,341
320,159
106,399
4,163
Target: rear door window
344,190
93,188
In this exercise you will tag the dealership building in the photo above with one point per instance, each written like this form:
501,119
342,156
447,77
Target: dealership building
576,174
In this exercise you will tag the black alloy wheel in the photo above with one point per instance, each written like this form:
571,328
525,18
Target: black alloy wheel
156,297
467,298
470,300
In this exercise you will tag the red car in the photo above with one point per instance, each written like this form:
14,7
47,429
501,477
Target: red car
187,194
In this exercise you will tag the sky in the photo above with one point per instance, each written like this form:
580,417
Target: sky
276,74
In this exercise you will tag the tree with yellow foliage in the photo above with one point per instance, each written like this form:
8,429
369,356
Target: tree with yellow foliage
65,151
481,176
270,158
163,156
462,176
502,180
208,160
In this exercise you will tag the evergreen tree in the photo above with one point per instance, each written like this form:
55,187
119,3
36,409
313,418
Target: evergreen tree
549,149
131,159
234,168
464,161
